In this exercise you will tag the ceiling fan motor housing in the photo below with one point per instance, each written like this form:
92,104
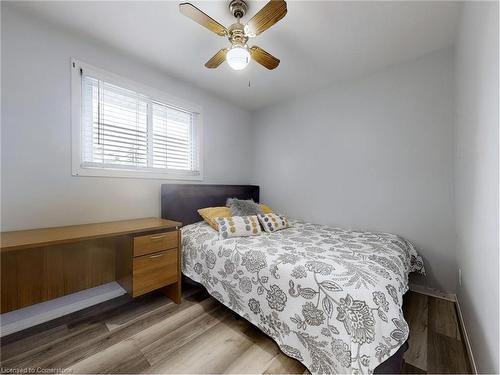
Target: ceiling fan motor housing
236,34
238,8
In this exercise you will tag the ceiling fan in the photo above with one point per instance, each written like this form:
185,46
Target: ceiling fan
238,54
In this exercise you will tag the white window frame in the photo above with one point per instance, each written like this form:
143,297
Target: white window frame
77,167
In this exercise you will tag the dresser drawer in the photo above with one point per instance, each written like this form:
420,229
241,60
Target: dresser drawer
154,271
154,243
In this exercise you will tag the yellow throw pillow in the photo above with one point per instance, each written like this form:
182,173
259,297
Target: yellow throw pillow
265,209
210,213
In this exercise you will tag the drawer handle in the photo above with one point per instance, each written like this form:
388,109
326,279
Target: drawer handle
156,256
157,238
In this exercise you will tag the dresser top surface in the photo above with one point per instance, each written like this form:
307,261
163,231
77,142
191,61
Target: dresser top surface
24,239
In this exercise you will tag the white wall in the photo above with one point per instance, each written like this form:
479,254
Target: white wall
477,178
37,187
375,153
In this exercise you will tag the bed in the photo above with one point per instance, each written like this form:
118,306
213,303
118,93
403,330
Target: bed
330,297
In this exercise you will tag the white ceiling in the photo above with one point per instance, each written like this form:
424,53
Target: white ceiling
318,42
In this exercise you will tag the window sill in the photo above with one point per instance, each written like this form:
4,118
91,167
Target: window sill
127,173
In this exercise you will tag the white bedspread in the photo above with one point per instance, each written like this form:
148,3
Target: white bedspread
329,297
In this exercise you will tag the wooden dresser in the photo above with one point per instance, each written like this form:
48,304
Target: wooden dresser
41,264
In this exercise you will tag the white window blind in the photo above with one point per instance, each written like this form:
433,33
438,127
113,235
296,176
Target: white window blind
122,129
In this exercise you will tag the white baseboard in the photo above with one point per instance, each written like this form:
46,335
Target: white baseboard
453,298
433,292
30,316
466,337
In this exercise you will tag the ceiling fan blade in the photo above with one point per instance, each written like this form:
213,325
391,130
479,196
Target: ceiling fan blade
264,58
189,10
271,13
216,59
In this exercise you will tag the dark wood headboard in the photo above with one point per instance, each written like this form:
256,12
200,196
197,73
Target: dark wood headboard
180,202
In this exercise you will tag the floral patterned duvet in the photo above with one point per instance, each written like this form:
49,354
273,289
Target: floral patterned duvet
331,298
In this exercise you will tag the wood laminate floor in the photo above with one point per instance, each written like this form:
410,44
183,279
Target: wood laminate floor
151,334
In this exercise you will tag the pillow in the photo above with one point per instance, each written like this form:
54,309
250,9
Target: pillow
241,207
210,213
272,222
238,226
265,209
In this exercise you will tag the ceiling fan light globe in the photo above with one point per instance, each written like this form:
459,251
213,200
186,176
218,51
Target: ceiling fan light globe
238,58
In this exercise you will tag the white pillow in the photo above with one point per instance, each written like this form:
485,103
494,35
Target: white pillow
273,222
238,226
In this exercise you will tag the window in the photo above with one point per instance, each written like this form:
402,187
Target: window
123,130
